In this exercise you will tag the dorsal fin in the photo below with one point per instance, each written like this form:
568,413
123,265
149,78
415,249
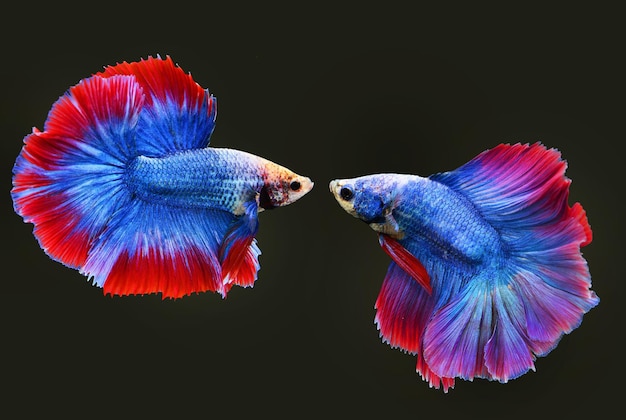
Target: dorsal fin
179,114
518,186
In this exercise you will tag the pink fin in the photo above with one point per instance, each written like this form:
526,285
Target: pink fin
517,188
507,353
456,335
480,334
577,212
498,323
434,381
550,311
406,261
403,308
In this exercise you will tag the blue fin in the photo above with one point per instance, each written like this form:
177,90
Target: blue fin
68,179
518,307
179,114
480,333
152,248
517,188
156,248
69,182
456,336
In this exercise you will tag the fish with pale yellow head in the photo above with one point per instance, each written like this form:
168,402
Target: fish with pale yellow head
486,272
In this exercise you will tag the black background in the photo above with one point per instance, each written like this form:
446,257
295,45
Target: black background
330,92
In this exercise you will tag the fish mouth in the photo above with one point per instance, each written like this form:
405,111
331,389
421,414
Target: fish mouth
307,185
335,186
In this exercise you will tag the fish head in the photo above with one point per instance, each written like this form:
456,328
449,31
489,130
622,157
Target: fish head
282,186
370,198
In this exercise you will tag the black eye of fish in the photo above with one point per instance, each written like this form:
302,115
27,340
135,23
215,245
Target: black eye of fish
346,193
295,185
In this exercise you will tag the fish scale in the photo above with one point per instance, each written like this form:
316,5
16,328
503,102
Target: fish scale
446,220
204,178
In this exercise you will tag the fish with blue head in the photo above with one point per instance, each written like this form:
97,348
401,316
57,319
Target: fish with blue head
486,272
123,185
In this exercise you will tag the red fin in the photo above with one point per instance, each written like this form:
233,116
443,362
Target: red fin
239,252
578,213
518,187
406,261
181,254
68,176
458,332
153,271
241,264
403,309
94,110
163,79
178,113
434,381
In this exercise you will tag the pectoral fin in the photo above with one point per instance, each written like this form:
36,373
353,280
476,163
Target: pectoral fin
388,226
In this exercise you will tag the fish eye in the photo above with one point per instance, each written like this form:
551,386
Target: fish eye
346,193
295,185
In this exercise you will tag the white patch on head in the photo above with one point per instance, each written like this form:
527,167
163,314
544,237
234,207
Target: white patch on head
384,186
305,185
335,188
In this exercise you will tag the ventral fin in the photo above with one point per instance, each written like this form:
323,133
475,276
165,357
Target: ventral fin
403,309
239,252
407,261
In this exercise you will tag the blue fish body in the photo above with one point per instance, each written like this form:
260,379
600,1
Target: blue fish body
487,272
122,185
437,218
197,179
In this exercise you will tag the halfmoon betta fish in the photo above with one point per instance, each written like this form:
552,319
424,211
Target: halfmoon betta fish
122,186
487,272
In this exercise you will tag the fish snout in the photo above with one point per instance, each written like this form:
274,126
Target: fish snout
343,192
299,187
308,184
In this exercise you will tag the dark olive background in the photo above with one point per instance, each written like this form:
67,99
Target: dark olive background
330,92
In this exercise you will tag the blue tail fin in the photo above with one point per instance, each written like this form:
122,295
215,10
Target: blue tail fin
69,182
541,288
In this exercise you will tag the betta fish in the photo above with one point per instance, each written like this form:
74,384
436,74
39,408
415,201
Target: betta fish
122,185
486,272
